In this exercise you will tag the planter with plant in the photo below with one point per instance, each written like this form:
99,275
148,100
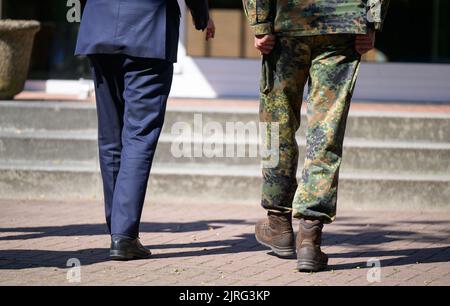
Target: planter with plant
16,44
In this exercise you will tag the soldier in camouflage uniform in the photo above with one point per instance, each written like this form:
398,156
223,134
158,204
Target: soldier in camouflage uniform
319,42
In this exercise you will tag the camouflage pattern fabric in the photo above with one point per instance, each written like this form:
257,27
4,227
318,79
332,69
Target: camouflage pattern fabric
315,17
330,64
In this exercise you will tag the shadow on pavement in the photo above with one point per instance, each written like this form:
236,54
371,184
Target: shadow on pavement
401,257
26,233
364,240
24,259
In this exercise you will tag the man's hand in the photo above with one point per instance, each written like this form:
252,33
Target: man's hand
265,43
366,42
210,29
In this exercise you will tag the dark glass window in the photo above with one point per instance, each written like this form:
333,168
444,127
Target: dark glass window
415,31
55,43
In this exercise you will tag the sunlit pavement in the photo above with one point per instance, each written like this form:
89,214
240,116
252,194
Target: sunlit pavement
215,245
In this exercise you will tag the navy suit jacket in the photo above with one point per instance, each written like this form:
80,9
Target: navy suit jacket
141,28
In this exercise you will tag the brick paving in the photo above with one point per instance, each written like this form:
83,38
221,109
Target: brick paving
214,245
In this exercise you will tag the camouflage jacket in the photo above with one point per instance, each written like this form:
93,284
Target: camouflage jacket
315,17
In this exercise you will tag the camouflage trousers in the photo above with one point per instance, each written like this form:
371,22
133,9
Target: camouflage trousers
329,63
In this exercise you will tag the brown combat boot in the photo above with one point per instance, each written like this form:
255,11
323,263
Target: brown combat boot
309,256
276,233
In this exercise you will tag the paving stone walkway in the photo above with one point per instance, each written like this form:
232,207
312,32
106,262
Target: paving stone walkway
214,245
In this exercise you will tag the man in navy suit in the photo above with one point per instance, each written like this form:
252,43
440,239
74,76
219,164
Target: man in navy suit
132,45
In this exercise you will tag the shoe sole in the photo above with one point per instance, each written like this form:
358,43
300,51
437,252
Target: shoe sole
311,266
280,252
125,256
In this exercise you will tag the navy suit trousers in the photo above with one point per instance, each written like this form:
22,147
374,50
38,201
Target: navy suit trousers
131,96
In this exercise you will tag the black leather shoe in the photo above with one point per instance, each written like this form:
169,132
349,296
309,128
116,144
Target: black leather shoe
128,249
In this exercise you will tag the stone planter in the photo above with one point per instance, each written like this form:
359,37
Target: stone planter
16,44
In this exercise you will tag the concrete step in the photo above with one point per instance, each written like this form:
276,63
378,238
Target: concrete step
35,115
359,154
21,115
190,184
42,145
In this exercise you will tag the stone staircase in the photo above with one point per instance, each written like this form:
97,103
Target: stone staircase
397,160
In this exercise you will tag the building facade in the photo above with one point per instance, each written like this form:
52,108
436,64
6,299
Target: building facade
411,63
